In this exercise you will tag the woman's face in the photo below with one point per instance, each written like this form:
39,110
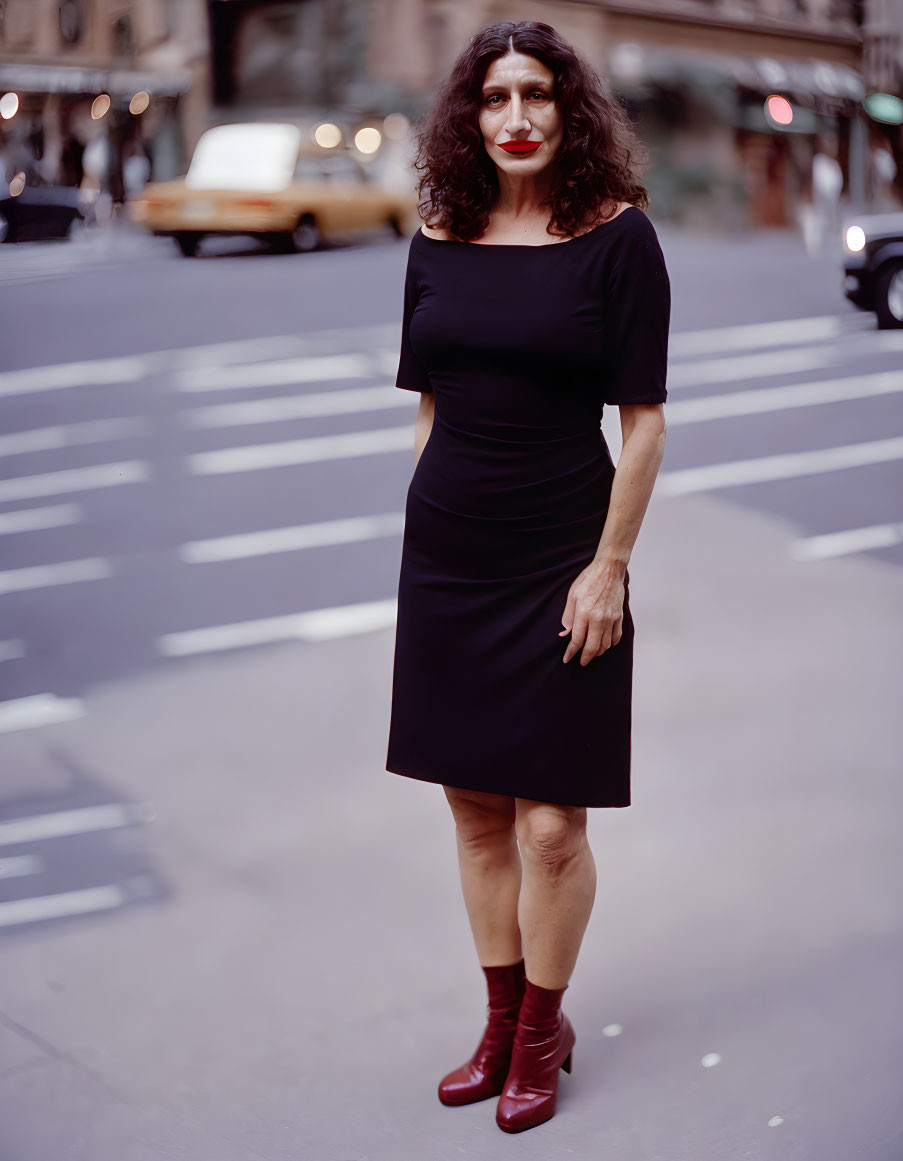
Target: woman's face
518,104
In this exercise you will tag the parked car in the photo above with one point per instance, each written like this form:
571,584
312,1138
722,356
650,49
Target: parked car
42,211
266,180
873,265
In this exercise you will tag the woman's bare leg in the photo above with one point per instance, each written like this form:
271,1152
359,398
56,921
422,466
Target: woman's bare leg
558,888
490,866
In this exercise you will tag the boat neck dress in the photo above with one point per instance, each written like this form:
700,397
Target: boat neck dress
521,346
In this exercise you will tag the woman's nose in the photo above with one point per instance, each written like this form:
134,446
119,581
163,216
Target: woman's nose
517,118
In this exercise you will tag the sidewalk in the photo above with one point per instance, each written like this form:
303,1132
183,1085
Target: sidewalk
302,972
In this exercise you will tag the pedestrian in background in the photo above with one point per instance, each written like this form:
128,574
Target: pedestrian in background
535,292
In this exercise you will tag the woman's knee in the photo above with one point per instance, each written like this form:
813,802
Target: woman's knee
481,819
550,835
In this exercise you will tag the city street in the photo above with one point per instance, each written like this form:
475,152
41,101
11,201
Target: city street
226,931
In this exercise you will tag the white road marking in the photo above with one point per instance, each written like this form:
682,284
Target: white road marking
53,438
309,369
782,332
57,376
56,906
80,820
767,399
765,365
116,369
44,576
317,625
34,519
334,340
74,480
249,544
11,650
322,403
17,866
844,543
779,467
739,367
41,709
253,457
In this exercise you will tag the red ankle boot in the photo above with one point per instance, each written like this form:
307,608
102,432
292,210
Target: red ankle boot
542,1044
484,1074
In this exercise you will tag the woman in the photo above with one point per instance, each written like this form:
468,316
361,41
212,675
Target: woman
535,292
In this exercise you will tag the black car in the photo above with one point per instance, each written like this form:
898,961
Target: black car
42,211
873,265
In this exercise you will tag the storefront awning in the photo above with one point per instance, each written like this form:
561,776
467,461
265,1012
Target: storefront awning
34,78
808,78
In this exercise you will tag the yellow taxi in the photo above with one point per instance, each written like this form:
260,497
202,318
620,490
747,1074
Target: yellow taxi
271,180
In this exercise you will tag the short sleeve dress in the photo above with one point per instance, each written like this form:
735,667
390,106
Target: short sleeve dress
521,347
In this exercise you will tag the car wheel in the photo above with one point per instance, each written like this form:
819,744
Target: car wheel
306,235
396,227
889,296
76,229
188,244
4,228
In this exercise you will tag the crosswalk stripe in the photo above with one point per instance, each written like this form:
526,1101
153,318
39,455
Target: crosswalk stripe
769,399
249,544
739,367
845,543
117,369
11,650
34,519
40,709
781,332
322,403
309,369
317,625
62,375
778,467
46,575
69,435
17,866
79,820
253,457
56,906
74,480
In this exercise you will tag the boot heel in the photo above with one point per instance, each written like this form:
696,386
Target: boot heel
567,1063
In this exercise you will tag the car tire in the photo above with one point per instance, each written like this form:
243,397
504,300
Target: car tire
77,229
188,244
4,228
396,227
889,296
306,236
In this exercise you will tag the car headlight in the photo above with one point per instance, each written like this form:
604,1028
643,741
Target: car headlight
854,239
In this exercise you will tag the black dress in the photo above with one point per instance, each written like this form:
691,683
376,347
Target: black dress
521,346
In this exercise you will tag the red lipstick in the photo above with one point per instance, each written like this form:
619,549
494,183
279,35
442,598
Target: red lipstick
520,146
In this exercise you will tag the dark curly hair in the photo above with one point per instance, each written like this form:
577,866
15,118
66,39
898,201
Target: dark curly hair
459,181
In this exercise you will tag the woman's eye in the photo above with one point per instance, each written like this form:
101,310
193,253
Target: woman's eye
536,93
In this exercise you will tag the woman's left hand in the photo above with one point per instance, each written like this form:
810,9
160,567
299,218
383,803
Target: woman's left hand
594,612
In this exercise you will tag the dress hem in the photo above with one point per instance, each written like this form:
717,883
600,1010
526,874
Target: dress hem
438,780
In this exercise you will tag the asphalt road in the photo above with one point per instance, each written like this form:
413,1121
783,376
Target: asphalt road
226,931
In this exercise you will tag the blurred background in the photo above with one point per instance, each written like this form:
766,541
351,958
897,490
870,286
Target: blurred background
226,932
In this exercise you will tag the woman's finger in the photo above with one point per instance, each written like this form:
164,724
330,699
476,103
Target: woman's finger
593,640
578,635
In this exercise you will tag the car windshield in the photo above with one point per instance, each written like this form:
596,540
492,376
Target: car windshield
255,156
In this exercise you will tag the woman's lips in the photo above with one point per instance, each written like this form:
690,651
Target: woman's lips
520,146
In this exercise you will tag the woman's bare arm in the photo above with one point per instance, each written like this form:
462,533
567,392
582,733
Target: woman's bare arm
593,614
423,424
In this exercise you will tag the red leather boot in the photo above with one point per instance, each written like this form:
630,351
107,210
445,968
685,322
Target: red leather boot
484,1074
542,1044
